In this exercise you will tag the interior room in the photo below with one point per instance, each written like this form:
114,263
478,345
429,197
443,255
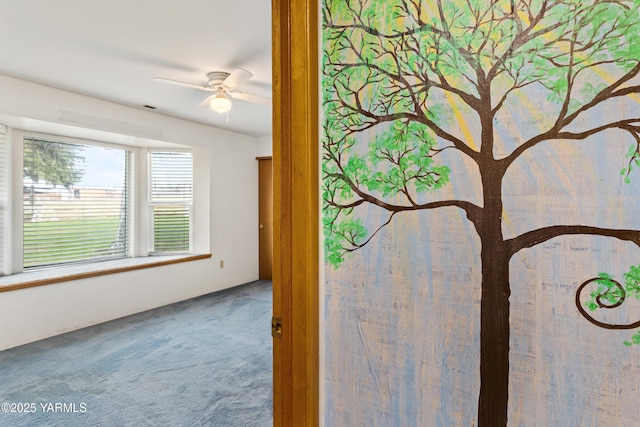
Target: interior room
141,78
455,232
89,74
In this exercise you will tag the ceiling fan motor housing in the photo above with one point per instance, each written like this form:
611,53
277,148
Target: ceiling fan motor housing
217,78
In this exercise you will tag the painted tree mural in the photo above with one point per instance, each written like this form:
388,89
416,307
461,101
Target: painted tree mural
400,67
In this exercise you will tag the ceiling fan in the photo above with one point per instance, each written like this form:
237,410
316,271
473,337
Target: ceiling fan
223,85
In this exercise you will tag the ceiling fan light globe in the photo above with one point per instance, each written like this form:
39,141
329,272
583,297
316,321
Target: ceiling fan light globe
220,104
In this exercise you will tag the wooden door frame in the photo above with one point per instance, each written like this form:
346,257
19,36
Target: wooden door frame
296,212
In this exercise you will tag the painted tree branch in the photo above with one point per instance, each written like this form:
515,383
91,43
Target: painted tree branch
610,297
437,130
541,235
357,246
606,94
356,107
472,211
628,125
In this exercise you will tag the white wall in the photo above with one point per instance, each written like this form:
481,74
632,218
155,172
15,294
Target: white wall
31,314
265,146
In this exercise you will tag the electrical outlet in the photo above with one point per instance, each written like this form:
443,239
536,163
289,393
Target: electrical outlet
221,263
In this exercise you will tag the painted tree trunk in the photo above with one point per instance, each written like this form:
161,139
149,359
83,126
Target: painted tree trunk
494,336
494,305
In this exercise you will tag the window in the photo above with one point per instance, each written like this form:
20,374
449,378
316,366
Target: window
75,202
170,201
86,201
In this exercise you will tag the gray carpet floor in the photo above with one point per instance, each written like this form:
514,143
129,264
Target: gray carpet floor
202,362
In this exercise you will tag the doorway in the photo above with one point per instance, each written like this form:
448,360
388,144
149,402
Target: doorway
265,218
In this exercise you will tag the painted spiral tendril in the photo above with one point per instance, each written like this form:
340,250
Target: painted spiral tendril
611,298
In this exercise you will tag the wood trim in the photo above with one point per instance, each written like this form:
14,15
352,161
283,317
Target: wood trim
89,274
296,212
264,158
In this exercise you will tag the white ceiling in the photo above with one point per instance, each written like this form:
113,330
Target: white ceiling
112,49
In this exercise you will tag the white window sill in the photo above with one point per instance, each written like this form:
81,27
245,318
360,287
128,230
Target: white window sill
47,276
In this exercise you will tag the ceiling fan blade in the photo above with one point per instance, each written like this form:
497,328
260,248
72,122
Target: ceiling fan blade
236,78
205,103
250,98
177,83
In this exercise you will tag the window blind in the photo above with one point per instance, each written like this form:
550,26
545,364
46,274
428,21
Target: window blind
76,202
171,201
4,196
